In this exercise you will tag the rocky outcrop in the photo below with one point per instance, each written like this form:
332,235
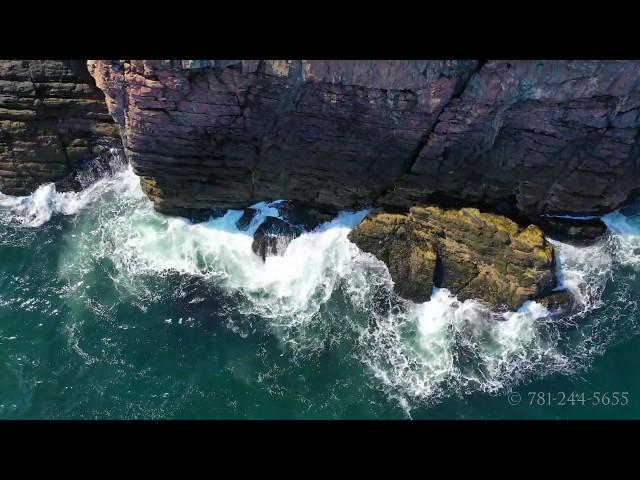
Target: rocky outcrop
52,118
524,137
473,254
559,302
273,234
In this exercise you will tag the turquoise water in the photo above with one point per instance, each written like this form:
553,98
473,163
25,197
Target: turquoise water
110,310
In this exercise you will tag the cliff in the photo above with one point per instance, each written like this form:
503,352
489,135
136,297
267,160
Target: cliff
52,118
526,137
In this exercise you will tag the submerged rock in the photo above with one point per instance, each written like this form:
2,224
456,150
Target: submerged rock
560,302
245,220
472,254
273,236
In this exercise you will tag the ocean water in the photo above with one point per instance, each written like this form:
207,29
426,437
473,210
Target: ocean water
111,310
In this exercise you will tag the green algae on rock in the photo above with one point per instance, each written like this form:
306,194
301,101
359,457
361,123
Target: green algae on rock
472,254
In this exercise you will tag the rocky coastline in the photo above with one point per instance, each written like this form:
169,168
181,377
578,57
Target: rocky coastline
467,164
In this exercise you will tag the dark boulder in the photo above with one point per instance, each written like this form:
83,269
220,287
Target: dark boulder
573,230
303,216
245,220
273,236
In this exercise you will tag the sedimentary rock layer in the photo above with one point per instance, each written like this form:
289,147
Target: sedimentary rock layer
531,136
549,136
473,254
327,134
52,117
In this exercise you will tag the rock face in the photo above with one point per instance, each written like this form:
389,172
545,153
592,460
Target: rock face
531,137
330,134
52,118
550,136
473,254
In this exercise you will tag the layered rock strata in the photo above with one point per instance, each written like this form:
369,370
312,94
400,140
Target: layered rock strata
331,134
525,137
52,119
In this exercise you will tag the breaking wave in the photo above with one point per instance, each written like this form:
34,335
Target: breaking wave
37,209
417,354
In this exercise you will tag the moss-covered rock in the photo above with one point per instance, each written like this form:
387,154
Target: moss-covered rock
409,253
473,254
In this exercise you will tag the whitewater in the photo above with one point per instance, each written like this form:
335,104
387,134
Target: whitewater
324,292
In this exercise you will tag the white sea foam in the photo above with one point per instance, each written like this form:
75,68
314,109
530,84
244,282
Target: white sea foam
583,271
37,209
445,346
627,234
416,352
292,285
